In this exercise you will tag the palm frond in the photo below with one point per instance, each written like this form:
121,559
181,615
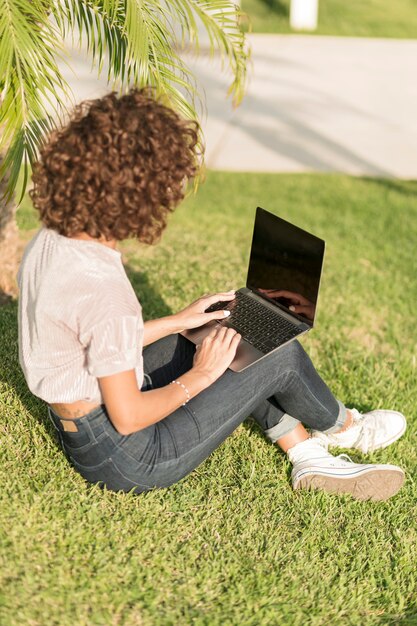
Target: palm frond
220,20
139,39
137,43
136,36
30,77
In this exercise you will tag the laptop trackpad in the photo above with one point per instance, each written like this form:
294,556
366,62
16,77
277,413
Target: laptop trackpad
245,353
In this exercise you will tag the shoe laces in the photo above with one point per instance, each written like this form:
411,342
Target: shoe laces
356,416
341,457
365,435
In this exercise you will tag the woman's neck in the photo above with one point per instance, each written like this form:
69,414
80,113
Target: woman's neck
109,244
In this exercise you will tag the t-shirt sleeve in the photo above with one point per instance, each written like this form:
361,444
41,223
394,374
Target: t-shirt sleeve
113,345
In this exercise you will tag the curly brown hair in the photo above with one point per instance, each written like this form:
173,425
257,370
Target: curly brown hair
116,169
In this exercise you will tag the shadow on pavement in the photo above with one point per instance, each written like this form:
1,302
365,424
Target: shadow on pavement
283,128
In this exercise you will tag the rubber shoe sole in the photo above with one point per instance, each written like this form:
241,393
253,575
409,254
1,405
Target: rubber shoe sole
373,483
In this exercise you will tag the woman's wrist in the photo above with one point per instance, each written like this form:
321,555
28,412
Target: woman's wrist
175,323
171,324
159,328
202,375
196,380
186,390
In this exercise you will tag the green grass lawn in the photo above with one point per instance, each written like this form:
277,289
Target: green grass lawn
232,544
356,18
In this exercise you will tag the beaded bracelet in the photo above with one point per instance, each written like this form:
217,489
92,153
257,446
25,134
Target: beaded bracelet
177,382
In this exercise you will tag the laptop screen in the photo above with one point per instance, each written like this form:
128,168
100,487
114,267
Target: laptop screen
285,265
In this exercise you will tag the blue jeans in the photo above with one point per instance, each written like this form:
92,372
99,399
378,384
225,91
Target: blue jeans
280,391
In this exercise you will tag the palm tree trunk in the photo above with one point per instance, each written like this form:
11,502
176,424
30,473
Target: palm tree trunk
10,247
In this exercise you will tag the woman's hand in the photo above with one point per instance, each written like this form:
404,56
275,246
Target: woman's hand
131,409
194,315
214,355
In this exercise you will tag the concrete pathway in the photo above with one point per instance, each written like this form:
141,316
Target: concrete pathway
313,104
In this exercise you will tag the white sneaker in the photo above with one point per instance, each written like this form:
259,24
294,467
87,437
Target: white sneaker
315,468
369,432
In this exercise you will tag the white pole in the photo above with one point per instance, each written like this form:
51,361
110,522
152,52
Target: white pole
304,14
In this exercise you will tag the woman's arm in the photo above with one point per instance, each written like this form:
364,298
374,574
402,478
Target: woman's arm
191,317
131,410
156,329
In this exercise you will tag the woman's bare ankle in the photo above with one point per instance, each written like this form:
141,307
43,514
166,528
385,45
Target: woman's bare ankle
347,424
297,435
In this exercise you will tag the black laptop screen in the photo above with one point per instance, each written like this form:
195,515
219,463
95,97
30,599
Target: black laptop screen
285,265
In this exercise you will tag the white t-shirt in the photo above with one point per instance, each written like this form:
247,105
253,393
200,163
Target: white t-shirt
79,318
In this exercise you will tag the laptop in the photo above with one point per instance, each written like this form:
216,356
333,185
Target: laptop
279,301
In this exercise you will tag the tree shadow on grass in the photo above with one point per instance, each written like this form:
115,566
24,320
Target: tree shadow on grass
403,187
5,298
153,305
12,381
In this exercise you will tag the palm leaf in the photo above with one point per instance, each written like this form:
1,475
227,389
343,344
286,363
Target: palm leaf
137,37
220,19
30,77
137,42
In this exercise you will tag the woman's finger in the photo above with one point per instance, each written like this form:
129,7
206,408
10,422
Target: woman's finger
223,331
231,336
235,340
221,334
218,297
212,334
215,315
227,335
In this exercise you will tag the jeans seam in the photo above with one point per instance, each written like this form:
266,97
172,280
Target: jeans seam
108,461
292,371
134,482
190,411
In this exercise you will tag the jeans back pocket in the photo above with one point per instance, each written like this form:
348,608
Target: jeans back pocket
75,440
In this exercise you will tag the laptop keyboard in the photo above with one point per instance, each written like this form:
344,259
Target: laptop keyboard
259,325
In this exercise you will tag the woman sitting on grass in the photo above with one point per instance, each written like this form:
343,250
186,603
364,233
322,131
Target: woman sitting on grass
133,418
